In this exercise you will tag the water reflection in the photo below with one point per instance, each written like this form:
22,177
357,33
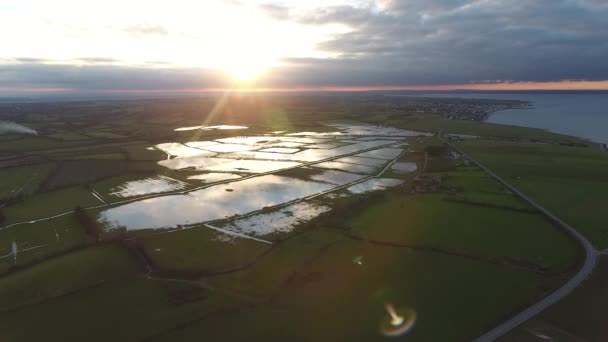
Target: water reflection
382,153
181,150
211,203
356,168
207,128
214,177
282,220
336,177
147,186
362,161
374,184
226,165
405,167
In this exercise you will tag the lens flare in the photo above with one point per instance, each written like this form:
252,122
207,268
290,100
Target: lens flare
398,322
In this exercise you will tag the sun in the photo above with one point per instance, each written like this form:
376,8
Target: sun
244,71
245,64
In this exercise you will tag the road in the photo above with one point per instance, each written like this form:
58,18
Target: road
585,271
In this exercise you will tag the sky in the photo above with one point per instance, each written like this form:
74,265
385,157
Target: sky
116,46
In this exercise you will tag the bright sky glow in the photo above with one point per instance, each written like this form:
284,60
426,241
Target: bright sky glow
241,39
116,46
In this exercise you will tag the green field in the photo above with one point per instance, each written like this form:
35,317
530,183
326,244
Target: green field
451,243
438,124
198,251
318,269
46,204
578,317
456,227
43,239
23,180
570,181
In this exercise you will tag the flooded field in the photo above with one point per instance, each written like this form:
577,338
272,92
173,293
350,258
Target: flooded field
404,167
212,203
320,161
375,184
153,185
280,221
212,177
207,128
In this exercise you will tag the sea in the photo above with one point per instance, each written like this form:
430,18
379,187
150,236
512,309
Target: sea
580,114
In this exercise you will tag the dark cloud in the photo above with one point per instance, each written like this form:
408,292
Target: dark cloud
402,42
106,77
445,41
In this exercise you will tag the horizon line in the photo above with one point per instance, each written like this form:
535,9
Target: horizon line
565,85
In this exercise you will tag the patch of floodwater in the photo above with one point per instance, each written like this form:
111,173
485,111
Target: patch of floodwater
210,203
336,177
283,220
356,168
212,177
285,144
317,134
182,151
325,145
405,167
311,155
377,130
252,140
374,184
199,144
362,161
280,150
227,165
223,148
376,138
153,185
304,140
382,153
207,128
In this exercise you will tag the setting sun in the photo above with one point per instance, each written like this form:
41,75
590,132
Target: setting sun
245,70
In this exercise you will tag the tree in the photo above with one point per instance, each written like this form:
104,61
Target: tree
2,217
91,228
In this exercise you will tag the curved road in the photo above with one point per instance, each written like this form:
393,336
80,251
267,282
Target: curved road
589,264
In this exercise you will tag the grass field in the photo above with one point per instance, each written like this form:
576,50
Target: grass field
458,227
23,180
578,317
572,182
452,244
68,136
437,124
200,251
43,239
112,305
318,269
50,203
65,274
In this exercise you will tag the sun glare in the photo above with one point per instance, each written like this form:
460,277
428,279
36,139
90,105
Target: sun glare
244,71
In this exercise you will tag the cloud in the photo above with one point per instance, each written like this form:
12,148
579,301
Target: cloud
388,43
146,29
275,11
97,77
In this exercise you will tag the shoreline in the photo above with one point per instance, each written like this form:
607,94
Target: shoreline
585,139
